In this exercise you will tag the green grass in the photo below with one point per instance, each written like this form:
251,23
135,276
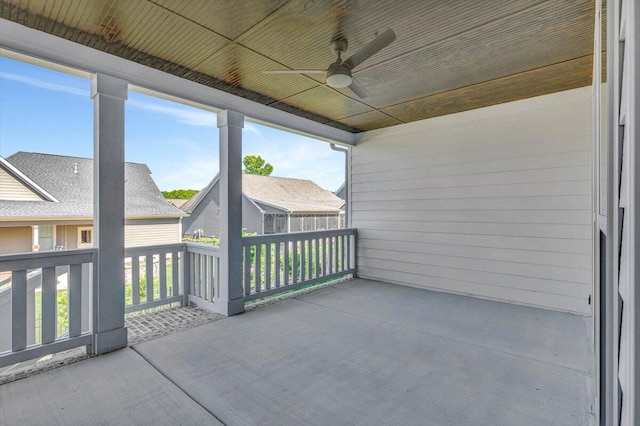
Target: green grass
62,313
128,286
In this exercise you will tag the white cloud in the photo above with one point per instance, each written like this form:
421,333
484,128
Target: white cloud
42,84
252,128
192,166
192,174
186,115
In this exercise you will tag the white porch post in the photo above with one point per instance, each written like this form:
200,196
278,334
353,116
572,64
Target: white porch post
109,94
35,237
230,301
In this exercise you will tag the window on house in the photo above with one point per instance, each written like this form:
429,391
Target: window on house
45,237
85,236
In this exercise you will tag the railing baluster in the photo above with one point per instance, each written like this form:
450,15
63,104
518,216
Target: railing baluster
210,278
303,262
216,277
325,259
340,254
162,266
202,262
193,279
267,274
316,264
258,268
175,273
135,280
294,261
149,270
348,251
287,264
334,254
197,276
18,310
247,269
75,300
204,273
277,264
48,304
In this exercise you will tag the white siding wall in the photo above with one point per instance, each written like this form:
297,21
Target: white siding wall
147,233
493,202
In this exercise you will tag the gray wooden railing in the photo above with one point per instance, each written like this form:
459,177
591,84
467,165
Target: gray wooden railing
30,271
281,262
202,273
153,276
32,295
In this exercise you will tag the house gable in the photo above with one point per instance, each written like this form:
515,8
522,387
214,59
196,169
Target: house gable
15,186
70,180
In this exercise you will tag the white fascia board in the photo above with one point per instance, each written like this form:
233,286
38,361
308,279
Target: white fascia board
40,45
267,204
26,181
260,209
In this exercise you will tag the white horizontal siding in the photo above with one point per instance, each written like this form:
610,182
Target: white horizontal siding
149,234
493,203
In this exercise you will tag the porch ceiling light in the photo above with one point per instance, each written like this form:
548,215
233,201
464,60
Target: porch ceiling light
338,75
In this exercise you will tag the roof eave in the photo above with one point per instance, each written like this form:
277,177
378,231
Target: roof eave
26,181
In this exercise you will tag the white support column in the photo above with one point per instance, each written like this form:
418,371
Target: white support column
623,204
230,301
35,238
109,94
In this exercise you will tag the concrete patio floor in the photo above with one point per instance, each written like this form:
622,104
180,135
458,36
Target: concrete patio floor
358,353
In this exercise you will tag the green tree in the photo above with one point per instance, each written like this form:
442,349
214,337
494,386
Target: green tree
255,165
179,194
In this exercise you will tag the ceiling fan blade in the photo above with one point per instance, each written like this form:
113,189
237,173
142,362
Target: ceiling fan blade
295,72
371,48
358,89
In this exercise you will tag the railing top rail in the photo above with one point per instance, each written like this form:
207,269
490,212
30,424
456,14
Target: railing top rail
17,261
156,249
296,236
202,248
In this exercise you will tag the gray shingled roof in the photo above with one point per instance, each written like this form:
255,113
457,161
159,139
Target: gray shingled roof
292,195
55,174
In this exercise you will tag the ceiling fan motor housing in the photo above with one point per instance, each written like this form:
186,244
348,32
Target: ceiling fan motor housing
339,75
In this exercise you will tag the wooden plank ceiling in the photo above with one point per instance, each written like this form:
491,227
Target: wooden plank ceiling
449,56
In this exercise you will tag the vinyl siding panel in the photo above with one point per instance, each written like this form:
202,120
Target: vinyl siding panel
204,216
251,216
67,236
494,203
148,233
15,239
13,189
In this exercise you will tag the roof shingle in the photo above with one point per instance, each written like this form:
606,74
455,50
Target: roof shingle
70,180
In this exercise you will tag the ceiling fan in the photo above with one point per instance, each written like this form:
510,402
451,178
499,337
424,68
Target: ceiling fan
339,72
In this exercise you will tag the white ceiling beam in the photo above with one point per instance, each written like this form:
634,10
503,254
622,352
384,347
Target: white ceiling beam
40,45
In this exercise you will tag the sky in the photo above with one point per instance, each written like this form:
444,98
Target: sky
47,111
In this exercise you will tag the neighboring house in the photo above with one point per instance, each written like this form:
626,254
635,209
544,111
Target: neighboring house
270,205
341,192
176,202
46,203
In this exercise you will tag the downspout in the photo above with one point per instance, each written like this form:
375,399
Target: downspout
346,183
